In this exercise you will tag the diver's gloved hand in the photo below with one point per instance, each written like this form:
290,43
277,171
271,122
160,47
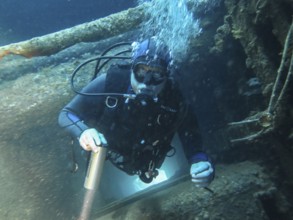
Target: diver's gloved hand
90,140
202,173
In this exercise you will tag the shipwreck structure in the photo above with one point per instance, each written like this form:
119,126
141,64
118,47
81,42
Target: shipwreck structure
238,77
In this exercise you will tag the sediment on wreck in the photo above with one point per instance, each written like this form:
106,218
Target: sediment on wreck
263,28
245,46
78,51
244,197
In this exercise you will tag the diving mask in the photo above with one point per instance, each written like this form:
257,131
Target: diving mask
149,75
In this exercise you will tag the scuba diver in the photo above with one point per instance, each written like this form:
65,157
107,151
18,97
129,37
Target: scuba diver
139,123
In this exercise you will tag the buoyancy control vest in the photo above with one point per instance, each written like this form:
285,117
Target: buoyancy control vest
138,137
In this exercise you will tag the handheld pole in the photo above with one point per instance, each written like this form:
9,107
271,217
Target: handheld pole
93,178
95,169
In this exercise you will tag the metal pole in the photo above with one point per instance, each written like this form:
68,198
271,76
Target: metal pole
92,181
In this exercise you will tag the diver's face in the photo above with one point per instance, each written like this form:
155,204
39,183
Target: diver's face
147,79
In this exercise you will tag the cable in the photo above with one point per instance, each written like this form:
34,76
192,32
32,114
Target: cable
97,94
97,69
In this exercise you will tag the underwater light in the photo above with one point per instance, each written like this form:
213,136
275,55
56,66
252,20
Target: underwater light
139,185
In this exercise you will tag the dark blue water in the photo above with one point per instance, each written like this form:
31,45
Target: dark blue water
22,20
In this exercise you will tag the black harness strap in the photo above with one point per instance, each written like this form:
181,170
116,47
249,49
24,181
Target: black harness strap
117,81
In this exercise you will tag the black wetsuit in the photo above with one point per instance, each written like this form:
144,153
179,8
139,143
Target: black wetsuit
137,134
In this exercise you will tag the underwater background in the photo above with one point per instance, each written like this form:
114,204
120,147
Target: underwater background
22,20
234,61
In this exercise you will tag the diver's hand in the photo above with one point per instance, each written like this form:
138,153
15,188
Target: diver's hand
202,173
90,140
